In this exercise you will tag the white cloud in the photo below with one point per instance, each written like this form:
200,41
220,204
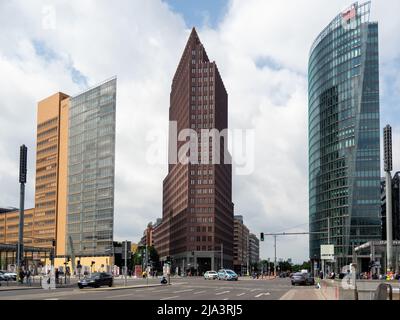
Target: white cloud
261,49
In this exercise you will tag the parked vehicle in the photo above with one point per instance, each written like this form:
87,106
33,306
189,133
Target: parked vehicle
8,276
96,280
211,275
300,278
227,274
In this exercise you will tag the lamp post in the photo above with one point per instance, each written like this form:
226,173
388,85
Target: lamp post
388,167
22,181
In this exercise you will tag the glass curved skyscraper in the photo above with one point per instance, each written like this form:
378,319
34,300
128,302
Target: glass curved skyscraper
344,134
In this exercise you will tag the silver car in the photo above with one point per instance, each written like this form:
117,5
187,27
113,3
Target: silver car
211,275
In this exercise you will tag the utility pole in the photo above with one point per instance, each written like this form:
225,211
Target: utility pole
388,167
222,255
22,181
275,255
126,260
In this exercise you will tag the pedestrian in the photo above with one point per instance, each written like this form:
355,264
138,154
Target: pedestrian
57,275
28,277
21,276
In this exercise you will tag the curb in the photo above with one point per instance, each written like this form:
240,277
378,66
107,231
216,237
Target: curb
18,288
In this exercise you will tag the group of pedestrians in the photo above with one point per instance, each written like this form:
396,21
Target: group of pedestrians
25,276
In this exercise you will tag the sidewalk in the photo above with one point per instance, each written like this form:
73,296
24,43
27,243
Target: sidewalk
296,294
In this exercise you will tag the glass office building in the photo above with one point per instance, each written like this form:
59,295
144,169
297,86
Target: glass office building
344,134
91,159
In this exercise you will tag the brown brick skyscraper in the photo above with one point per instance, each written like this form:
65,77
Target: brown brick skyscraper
197,197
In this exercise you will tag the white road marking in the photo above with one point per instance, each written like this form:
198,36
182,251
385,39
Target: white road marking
198,292
163,290
186,290
252,290
262,294
52,299
168,298
223,292
120,296
241,294
225,299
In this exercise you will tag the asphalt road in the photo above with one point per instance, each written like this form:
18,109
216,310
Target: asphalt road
191,288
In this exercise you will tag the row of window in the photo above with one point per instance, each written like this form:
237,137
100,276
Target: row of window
202,107
200,181
200,239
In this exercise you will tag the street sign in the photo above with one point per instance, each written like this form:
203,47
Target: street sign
327,252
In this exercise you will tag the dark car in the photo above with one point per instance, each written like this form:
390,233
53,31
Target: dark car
302,279
96,280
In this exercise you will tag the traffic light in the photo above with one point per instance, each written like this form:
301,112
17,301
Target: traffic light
262,236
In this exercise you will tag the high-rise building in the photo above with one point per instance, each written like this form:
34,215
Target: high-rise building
254,250
395,206
51,169
240,245
197,221
344,135
91,163
75,160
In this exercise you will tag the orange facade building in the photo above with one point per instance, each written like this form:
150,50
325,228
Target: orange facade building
46,222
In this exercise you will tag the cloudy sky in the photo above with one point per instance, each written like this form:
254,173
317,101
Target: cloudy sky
261,49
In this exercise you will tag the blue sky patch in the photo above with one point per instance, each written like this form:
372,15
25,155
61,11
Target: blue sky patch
199,13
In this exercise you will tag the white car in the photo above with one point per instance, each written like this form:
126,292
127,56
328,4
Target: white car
211,275
8,275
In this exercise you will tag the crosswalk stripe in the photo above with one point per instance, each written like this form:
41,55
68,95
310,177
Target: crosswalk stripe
223,292
168,298
198,292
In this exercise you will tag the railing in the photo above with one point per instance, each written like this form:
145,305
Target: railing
362,290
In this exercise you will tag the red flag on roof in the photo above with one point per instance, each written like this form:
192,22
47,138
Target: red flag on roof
349,14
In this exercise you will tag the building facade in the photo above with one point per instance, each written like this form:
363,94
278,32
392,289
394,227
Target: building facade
395,206
344,134
254,250
51,168
197,221
91,166
240,246
74,189
9,226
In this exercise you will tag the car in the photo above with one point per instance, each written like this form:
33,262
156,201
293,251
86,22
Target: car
211,275
96,280
8,276
300,278
227,274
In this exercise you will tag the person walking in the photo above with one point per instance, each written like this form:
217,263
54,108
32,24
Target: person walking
28,278
57,273
21,275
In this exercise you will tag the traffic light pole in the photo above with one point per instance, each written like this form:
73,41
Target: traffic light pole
262,234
